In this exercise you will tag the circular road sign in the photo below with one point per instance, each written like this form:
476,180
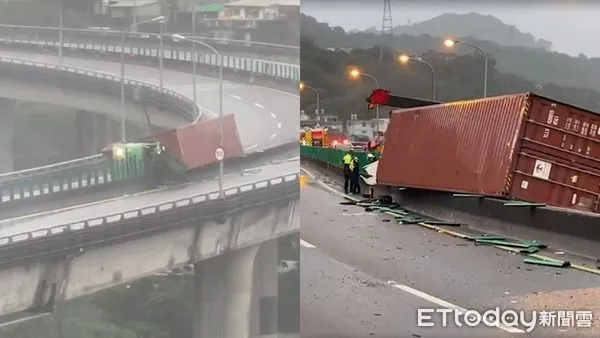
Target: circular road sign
219,154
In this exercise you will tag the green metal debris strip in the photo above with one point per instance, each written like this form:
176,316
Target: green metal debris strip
403,216
545,262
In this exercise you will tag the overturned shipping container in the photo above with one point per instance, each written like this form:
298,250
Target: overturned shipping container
195,144
522,146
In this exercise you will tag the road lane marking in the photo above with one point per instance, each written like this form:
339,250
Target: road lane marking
418,293
444,304
306,244
235,96
273,136
258,105
251,147
273,115
279,125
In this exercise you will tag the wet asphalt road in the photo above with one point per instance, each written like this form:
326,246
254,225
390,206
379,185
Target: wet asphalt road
349,256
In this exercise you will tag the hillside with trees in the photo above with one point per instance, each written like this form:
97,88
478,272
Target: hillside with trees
478,26
534,63
458,77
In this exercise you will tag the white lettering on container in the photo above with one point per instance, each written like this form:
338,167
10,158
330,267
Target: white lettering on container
550,116
576,125
584,128
568,123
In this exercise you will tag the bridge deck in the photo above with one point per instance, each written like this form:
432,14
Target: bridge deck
139,201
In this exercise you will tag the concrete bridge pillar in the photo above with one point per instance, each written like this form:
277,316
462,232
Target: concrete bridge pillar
93,132
7,135
223,295
266,279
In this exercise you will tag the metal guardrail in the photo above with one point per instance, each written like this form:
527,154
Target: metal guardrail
253,66
168,215
56,178
52,168
96,34
109,77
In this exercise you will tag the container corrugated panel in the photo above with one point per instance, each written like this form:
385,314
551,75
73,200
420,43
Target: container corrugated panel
521,146
195,144
462,146
564,130
558,156
547,179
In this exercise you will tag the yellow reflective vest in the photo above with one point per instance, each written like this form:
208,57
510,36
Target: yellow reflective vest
347,159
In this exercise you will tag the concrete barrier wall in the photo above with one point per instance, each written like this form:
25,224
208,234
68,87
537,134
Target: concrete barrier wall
483,213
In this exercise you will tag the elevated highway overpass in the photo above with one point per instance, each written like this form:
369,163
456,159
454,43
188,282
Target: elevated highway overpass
87,91
49,36
223,236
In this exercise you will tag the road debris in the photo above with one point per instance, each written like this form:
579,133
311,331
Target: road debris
546,262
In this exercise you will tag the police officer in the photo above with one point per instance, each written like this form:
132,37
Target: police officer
347,159
355,178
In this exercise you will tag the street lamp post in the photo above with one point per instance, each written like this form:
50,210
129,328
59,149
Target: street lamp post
316,91
162,53
194,55
405,58
356,74
451,43
60,31
161,19
178,37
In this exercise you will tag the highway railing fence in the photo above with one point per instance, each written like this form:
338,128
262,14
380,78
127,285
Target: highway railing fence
255,66
267,51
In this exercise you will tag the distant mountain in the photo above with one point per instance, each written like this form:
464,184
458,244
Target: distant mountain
534,63
475,25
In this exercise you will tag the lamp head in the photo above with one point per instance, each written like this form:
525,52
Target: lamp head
178,37
449,43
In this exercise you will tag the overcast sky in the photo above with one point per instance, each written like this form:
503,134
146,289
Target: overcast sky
573,26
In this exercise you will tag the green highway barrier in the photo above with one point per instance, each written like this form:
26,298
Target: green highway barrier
57,178
331,156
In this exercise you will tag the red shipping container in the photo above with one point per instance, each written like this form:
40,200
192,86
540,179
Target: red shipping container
195,144
521,146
